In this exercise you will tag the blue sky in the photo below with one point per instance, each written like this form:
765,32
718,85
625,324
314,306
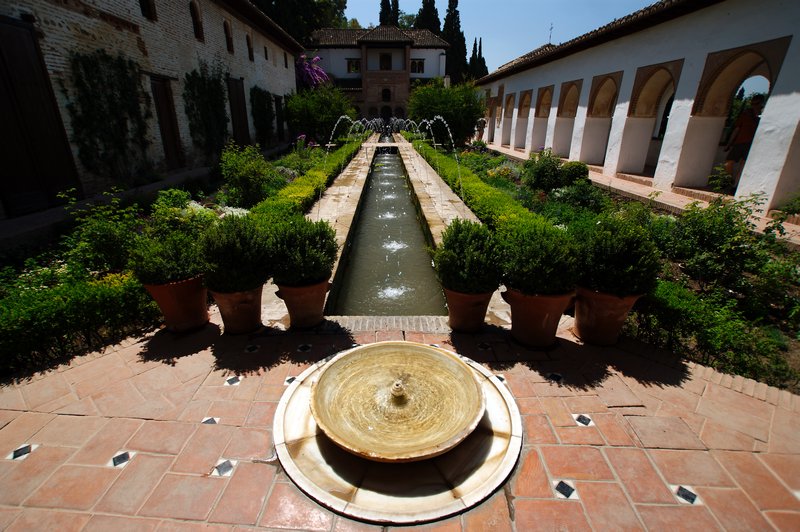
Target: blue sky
510,28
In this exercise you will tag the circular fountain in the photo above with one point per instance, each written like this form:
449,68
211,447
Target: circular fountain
397,432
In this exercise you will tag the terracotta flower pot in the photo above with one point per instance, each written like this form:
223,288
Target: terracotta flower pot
534,318
183,303
599,316
466,312
241,311
304,303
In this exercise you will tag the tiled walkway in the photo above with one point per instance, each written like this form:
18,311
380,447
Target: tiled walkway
657,424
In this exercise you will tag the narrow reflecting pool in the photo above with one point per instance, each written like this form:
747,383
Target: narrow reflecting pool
388,270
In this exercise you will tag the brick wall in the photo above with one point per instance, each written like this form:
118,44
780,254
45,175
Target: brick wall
165,47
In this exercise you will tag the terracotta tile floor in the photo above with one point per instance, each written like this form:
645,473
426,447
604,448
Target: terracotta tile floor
656,425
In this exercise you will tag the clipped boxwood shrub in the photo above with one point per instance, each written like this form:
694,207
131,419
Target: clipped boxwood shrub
248,177
237,253
40,326
573,171
304,251
537,257
619,257
466,260
542,171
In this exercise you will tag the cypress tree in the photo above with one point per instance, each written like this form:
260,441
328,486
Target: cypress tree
428,18
473,61
481,70
457,53
395,13
385,16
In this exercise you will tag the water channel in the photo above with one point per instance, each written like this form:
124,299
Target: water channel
388,270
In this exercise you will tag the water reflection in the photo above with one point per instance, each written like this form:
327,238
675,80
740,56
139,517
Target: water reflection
389,271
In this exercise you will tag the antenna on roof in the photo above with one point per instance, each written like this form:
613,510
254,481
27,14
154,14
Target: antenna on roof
550,37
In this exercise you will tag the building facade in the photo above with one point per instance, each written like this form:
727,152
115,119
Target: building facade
166,39
377,66
647,96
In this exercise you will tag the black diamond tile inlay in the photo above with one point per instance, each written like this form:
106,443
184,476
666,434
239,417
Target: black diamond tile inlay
289,380
583,420
224,468
121,458
483,346
686,495
209,421
233,380
251,348
304,348
555,377
21,451
565,489
500,378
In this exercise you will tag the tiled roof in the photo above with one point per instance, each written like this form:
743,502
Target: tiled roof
652,15
353,38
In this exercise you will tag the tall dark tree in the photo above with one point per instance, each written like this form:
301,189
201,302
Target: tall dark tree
428,17
481,69
395,13
472,67
457,53
385,16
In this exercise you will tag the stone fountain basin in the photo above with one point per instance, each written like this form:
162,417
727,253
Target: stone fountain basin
397,401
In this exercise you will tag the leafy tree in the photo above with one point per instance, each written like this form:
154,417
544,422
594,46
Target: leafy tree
428,17
204,103
406,21
457,53
385,16
353,24
314,112
461,106
300,17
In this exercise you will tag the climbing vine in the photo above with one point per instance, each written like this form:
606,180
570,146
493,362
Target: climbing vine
109,109
204,104
263,114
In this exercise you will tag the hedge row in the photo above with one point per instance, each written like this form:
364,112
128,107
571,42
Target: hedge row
490,205
299,195
38,326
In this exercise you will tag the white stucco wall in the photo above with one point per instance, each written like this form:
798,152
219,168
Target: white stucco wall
334,61
727,25
434,67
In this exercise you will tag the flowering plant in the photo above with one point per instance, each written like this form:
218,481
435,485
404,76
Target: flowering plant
309,73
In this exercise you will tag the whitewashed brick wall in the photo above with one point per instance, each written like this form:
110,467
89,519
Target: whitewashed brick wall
166,47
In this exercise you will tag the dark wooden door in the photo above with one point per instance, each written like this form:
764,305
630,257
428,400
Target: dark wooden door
167,122
36,159
241,134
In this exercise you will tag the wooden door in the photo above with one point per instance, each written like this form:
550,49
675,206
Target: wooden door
37,160
241,133
167,122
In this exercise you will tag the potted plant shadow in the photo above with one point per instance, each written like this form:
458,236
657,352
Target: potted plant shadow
466,265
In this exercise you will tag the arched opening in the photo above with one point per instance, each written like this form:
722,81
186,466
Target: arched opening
386,113
602,102
197,21
725,72
386,95
648,114
565,117
508,117
228,36
544,101
249,42
521,130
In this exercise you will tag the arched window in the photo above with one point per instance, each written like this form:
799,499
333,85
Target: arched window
148,8
197,22
249,47
386,95
228,37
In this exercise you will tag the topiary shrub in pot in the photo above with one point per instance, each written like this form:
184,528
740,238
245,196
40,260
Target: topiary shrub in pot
238,256
167,259
621,263
466,264
304,254
538,262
